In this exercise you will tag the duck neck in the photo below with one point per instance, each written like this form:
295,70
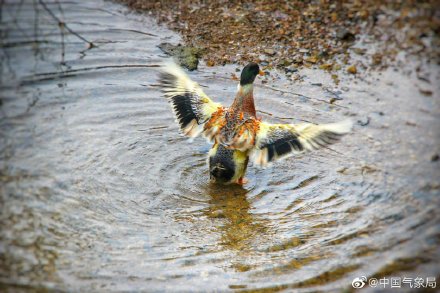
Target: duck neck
244,100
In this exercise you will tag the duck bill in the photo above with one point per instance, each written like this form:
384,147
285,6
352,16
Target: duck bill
261,73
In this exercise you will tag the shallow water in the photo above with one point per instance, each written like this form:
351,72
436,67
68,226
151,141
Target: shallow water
100,192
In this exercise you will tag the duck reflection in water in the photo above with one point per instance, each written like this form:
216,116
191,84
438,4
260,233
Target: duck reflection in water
240,228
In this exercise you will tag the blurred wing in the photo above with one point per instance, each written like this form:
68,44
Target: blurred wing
191,106
275,141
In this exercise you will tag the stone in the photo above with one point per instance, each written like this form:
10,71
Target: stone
186,56
269,52
352,69
344,34
290,69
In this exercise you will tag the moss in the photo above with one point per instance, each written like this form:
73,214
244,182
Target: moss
186,56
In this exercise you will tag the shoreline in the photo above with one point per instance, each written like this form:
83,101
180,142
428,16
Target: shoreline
329,36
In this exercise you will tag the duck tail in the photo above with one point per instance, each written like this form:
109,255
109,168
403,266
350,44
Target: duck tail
216,171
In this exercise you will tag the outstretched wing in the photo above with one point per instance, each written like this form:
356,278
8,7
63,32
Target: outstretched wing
275,141
191,106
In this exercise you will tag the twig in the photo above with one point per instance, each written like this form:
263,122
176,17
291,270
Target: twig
36,48
286,92
62,24
282,118
62,35
28,42
267,113
17,24
134,31
101,67
282,91
300,95
68,73
330,149
335,95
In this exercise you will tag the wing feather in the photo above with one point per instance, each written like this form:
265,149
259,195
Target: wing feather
191,106
276,141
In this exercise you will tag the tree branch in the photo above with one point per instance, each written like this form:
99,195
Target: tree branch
62,24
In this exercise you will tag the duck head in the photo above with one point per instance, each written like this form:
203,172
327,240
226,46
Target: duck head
244,100
249,73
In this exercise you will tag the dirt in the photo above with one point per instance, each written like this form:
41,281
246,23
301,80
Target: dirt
302,33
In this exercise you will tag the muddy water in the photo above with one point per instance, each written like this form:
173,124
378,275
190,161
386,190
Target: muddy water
99,191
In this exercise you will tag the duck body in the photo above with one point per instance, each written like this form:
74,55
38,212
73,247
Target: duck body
234,134
234,127
237,134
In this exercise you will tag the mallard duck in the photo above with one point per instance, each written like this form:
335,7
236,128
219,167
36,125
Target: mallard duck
238,135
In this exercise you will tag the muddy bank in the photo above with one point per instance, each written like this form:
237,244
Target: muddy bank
302,33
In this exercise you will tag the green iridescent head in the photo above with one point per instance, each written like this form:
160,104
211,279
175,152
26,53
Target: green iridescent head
249,73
